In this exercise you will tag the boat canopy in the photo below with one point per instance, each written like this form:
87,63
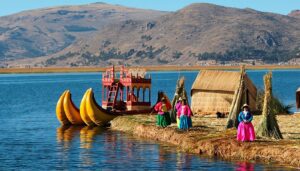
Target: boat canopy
131,90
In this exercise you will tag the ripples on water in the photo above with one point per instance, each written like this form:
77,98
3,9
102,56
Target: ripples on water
31,137
126,152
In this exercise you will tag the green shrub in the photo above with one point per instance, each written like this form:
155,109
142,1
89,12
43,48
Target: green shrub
276,104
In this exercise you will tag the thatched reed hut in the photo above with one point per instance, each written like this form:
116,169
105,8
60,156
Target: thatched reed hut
298,98
213,91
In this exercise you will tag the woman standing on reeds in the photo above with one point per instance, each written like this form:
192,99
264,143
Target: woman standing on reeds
163,116
245,130
177,107
184,113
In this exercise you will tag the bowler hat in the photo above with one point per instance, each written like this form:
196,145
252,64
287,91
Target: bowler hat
245,105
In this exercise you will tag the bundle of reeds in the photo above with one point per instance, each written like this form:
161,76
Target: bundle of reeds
232,120
268,126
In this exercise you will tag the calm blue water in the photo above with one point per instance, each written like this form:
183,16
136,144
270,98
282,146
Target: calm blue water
31,137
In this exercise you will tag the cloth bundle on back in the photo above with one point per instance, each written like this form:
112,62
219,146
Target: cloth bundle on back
180,92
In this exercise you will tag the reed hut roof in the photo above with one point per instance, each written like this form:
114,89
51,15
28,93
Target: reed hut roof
217,80
213,87
228,81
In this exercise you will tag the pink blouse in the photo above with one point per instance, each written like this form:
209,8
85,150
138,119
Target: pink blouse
178,105
184,110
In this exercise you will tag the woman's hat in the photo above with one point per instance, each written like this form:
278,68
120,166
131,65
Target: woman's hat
245,105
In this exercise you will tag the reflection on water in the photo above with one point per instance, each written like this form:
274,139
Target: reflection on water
91,148
245,166
183,161
66,133
87,135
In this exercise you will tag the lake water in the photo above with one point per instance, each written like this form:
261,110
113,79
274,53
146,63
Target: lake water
32,139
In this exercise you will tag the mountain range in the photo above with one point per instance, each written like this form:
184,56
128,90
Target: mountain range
101,34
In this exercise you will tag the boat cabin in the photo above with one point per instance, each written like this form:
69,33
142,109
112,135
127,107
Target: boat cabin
127,90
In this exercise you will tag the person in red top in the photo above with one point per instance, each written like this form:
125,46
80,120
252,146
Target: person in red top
184,114
163,116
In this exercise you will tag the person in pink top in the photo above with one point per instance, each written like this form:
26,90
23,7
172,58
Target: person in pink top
163,116
177,107
184,114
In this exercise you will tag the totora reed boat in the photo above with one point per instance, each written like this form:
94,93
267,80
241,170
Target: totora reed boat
129,94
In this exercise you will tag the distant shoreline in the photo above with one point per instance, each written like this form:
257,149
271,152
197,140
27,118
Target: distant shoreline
147,68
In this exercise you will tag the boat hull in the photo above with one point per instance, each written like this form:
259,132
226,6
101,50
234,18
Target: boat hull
83,111
97,114
72,112
90,113
60,111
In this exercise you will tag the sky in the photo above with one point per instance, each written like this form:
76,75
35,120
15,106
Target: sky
276,6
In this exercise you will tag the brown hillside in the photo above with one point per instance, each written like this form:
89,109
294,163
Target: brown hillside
295,13
101,34
48,31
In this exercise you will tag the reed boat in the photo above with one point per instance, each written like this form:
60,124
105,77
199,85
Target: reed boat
130,94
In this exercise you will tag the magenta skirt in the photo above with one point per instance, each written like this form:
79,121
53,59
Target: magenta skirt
245,132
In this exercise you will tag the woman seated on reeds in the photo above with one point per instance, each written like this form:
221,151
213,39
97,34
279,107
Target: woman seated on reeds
245,130
163,116
184,114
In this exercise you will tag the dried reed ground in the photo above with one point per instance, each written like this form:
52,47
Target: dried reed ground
209,137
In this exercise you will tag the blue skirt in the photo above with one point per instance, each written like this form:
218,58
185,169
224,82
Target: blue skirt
185,122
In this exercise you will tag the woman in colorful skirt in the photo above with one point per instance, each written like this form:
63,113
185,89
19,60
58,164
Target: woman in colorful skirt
245,130
184,114
177,107
163,116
